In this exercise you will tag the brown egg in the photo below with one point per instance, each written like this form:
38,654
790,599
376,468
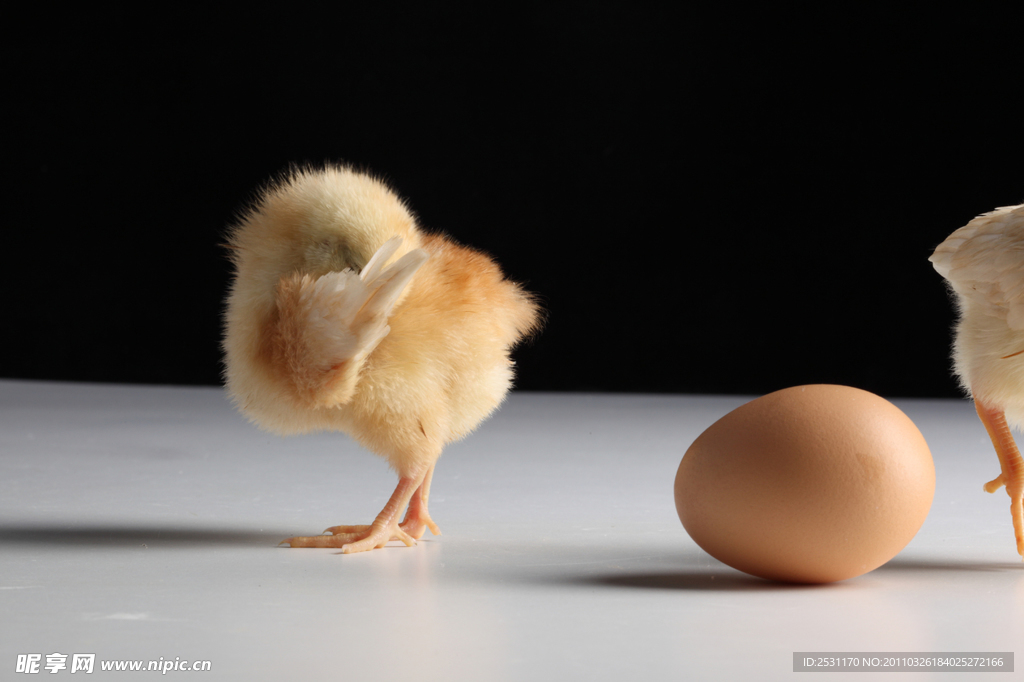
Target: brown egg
808,484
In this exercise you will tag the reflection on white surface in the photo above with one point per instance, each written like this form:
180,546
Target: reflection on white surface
140,523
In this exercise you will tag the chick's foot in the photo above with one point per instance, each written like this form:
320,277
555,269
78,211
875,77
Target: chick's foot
417,518
352,539
1017,511
412,525
415,523
1010,463
1014,481
1015,489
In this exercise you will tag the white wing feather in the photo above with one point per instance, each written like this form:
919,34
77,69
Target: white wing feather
328,326
353,310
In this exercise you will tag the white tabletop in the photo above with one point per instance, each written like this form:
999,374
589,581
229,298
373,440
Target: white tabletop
141,523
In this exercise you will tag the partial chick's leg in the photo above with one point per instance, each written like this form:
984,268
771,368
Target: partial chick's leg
417,518
1010,462
362,538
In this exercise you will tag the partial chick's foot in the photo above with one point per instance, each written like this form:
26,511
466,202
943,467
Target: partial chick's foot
410,528
347,530
411,492
352,539
1015,489
1017,509
995,484
374,537
417,518
1010,462
415,523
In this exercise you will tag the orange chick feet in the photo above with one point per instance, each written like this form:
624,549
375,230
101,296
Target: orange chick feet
1011,464
417,518
1017,510
412,491
415,523
351,539
1015,490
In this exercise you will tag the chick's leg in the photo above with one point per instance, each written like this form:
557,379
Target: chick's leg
362,538
417,518
1011,464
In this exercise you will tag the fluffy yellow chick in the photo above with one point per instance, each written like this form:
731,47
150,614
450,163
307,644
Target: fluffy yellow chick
984,264
344,316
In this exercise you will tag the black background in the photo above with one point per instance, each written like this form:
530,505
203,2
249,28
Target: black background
727,201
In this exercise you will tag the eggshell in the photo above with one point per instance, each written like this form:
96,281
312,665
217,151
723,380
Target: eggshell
808,484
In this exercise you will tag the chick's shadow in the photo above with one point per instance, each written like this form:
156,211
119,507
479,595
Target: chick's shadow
112,536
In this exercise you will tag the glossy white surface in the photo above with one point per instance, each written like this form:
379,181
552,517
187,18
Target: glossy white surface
142,522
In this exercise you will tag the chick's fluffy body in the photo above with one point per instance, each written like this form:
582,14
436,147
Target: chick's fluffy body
443,367
983,262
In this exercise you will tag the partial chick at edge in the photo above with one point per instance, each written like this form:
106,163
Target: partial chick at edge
984,265
344,316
